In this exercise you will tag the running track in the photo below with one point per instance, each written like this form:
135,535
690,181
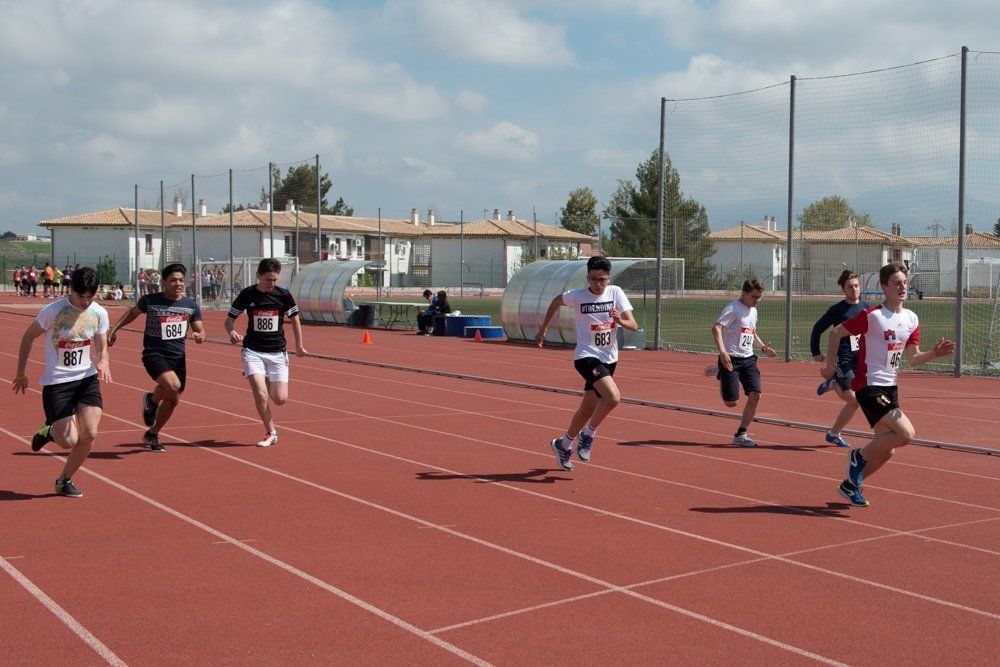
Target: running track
407,517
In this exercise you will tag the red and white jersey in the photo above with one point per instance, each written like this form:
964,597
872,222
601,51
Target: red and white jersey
884,336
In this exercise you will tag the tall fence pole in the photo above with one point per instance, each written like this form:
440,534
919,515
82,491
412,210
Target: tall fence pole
135,276
194,246
381,257
960,270
788,213
461,253
270,204
534,222
319,211
232,251
659,224
163,230
741,251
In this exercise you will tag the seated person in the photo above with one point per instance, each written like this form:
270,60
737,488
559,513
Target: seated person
426,318
441,304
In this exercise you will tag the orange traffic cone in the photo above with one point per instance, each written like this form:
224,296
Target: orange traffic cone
479,336
367,340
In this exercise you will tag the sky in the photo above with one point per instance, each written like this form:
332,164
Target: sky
473,105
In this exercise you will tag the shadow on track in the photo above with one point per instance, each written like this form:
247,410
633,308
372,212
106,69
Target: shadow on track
14,495
718,445
834,510
533,476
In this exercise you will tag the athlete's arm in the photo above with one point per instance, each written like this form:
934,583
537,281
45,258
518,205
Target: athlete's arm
27,340
297,332
727,363
625,319
831,351
764,347
123,321
822,324
198,331
103,362
549,314
942,348
234,336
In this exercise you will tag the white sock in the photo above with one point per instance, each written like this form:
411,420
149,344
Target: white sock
566,442
588,431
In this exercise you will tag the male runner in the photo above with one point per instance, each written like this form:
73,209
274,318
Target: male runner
168,316
599,310
847,353
17,281
735,333
887,333
265,359
71,390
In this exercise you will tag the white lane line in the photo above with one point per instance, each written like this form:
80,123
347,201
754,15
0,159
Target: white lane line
291,569
67,619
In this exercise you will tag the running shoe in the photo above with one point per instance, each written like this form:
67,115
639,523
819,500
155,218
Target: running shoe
583,447
152,440
744,440
836,440
268,440
65,487
563,456
855,467
824,387
41,437
852,493
148,409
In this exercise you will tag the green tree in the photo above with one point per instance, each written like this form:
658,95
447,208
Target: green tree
10,236
299,184
831,213
580,213
633,215
996,228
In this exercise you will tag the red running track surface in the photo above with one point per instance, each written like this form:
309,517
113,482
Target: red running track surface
407,517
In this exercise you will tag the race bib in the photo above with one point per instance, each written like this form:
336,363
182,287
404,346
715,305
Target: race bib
265,321
603,334
173,327
893,355
746,341
855,343
73,355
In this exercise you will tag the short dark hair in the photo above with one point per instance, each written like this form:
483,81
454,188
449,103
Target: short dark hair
442,296
886,272
268,265
598,263
752,285
176,267
845,276
428,293
84,281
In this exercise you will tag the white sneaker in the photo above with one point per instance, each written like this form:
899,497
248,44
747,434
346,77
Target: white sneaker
268,440
744,440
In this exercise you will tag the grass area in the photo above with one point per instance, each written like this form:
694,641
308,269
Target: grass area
686,322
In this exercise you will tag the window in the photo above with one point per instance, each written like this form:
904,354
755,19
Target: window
149,243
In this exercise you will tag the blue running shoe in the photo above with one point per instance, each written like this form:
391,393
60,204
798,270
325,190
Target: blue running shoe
856,467
852,493
824,387
583,447
563,456
836,440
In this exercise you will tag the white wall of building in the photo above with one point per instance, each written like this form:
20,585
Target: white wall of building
762,258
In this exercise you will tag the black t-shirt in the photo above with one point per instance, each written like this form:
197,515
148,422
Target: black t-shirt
835,316
167,323
267,312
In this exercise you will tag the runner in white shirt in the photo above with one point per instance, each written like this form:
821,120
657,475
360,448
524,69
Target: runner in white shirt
599,310
76,362
735,333
887,333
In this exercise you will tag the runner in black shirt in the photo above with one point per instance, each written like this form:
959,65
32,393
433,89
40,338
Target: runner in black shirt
265,360
168,316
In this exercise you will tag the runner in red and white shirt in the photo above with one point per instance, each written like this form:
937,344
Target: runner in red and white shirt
598,311
888,333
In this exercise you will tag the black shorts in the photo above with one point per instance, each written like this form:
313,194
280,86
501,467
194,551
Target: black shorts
877,402
844,373
157,364
593,369
745,372
65,282
60,400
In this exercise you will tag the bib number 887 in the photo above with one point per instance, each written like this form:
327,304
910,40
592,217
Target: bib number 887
72,357
602,338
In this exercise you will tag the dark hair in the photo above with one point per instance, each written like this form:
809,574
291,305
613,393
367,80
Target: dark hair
752,285
886,272
173,268
845,276
268,265
428,293
84,281
442,296
599,263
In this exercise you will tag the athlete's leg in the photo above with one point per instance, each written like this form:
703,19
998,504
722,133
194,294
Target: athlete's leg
892,431
609,400
64,432
278,392
584,412
258,387
846,412
166,396
750,409
88,418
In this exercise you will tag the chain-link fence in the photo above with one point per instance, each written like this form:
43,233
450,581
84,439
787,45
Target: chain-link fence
805,179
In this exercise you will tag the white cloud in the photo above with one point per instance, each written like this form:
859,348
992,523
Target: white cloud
620,160
486,30
425,169
471,102
505,140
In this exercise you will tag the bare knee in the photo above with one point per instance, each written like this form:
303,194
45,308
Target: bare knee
732,404
279,399
753,397
171,398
